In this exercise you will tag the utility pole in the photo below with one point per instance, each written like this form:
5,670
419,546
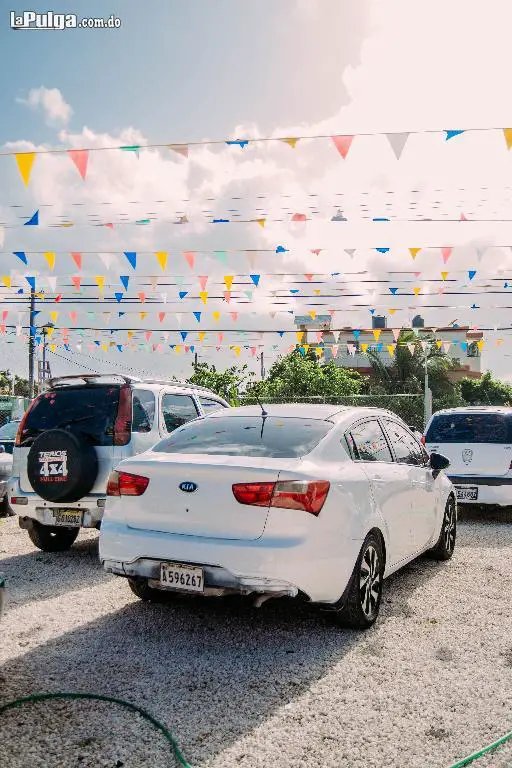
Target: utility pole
31,343
427,413
195,359
262,369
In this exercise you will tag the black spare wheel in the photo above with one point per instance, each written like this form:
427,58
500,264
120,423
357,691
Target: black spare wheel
62,466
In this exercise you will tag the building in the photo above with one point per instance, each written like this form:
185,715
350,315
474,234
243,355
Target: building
348,347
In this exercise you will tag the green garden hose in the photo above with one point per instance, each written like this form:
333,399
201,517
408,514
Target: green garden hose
112,700
170,738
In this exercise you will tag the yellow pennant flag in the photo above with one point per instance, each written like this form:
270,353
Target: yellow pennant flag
364,348
439,343
161,257
25,162
299,335
53,347
261,222
376,334
392,311
201,335
237,350
130,334
416,291
480,345
50,258
444,275
414,252
49,332
317,291
204,296
319,351
216,316
228,279
54,316
142,315
292,142
6,280
178,348
312,314
104,347
391,349
507,132
306,347
100,279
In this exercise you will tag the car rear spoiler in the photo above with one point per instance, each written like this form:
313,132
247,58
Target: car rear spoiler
90,378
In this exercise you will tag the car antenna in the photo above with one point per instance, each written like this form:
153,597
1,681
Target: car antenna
264,413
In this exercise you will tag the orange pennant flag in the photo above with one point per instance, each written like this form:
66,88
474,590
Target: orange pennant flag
143,315
80,157
261,222
25,161
343,144
161,257
507,132
76,280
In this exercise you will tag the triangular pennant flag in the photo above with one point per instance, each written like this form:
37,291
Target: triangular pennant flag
364,348
161,257
342,144
132,258
221,256
201,334
6,280
261,222
133,148
52,282
183,335
50,258
397,142
350,252
107,259
444,275
33,221
234,316
80,157
382,250
161,316
203,296
203,279
25,161
125,280
281,249
182,294
142,297
255,279
100,279
309,277
393,291
228,280
396,333
471,273
416,290
376,334
181,149
31,281
446,346
507,132
77,258
76,280
312,314
462,217
216,316
197,316
292,142
119,296
411,348
414,252
190,257
452,134
446,253
300,336
21,256
391,349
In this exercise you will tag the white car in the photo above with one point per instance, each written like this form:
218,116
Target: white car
478,442
76,432
312,500
5,474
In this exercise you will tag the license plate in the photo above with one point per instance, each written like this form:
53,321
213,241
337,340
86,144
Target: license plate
69,517
186,577
469,494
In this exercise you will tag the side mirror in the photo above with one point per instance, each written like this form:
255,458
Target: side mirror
438,462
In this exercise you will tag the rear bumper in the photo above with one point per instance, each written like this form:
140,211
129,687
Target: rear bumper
38,509
491,490
259,566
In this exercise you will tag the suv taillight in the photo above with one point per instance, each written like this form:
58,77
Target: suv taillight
126,484
422,440
308,496
21,428
123,422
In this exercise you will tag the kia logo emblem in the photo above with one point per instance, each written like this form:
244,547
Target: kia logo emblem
188,487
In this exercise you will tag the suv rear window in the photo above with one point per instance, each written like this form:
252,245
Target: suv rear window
271,437
470,428
90,410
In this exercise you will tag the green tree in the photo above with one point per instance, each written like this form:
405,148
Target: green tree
228,384
298,376
20,385
485,391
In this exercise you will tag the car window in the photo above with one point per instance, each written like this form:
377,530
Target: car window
91,410
368,442
177,410
143,410
209,406
8,431
470,428
272,437
406,448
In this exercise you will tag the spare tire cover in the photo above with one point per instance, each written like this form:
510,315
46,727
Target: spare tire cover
62,465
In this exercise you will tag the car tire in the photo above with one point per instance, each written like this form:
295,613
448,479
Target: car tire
443,550
49,538
360,604
143,591
4,507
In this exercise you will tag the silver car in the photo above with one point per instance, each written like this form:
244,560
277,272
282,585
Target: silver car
5,474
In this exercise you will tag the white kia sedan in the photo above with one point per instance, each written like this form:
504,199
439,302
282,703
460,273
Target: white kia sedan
317,501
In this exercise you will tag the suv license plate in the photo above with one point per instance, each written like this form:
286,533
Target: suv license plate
185,577
70,517
469,494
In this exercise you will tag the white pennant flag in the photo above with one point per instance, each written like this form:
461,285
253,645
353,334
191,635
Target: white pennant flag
334,350
108,260
79,347
18,330
350,252
164,297
411,348
179,316
446,346
397,141
52,282
480,252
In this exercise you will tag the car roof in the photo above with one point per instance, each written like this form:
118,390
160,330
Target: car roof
78,380
323,412
474,409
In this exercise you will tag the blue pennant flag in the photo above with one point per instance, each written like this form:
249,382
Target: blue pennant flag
357,334
382,250
281,249
302,351
281,333
121,314
183,334
255,279
393,291
33,221
132,258
197,316
32,282
372,311
380,219
294,290
240,142
21,256
220,221
119,297
471,273
192,349
182,294
451,134
120,347
379,346
124,281
97,343
33,330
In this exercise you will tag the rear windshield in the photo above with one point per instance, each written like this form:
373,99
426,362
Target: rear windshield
8,431
269,437
470,428
91,410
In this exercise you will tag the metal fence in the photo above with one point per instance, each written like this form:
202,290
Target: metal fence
12,407
409,407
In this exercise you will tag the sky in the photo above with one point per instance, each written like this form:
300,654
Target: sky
197,71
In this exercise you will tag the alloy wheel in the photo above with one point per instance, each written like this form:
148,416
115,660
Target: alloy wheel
370,579
449,526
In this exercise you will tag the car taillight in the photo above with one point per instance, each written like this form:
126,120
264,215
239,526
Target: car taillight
21,427
123,422
126,484
308,496
422,440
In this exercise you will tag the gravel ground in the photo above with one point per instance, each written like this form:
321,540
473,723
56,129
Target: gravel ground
240,687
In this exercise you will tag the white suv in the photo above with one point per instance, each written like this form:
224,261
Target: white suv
75,433
478,442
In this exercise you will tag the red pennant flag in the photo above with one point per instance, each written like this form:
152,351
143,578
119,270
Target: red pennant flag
299,217
316,251
80,157
76,279
161,316
190,257
148,335
446,253
203,279
308,277
342,144
77,258
234,315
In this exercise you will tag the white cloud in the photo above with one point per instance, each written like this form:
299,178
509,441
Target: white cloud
55,108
